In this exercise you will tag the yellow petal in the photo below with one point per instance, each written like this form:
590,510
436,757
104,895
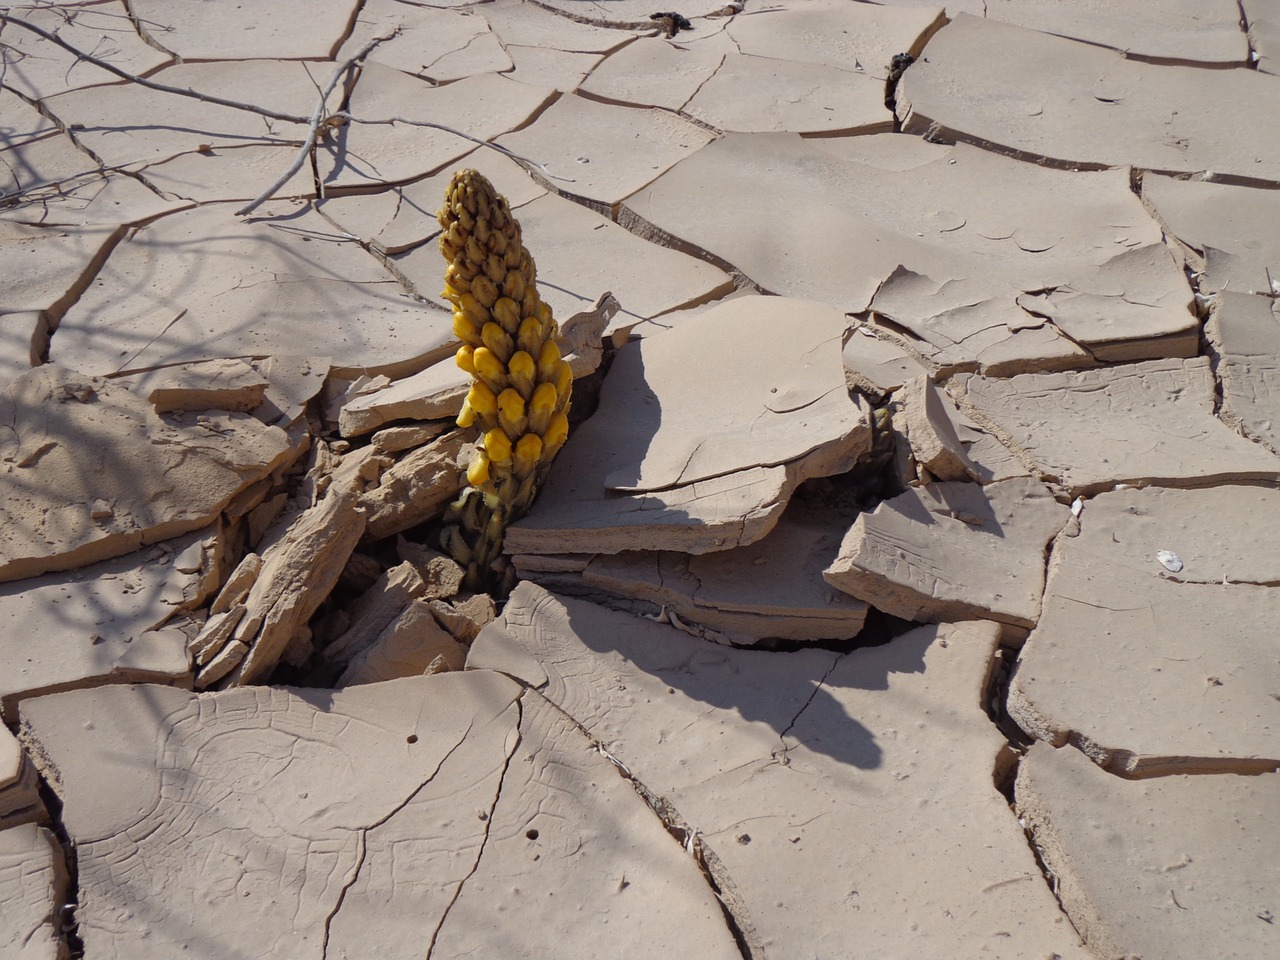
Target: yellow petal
548,362
465,330
528,452
498,341
557,433
507,312
541,407
485,291
482,399
529,337
511,403
523,372
489,369
478,470
498,446
465,360
564,382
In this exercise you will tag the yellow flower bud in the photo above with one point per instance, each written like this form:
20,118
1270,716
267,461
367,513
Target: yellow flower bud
564,382
465,360
498,341
527,454
522,384
529,336
541,407
476,312
482,399
478,470
511,413
507,312
554,438
465,330
513,286
489,369
485,291
548,362
498,446
523,372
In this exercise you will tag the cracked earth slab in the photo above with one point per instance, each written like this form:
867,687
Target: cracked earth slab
540,25
33,884
1073,103
46,268
1150,670
201,32
591,148
434,44
1228,227
105,623
833,812
1178,867
706,463
1141,423
1191,32
983,261
1245,332
278,812
953,551
92,471
657,72
253,288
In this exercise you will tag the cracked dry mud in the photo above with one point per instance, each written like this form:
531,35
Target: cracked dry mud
906,587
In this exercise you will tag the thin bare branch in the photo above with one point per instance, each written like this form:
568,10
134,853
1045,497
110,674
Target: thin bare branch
318,116
7,18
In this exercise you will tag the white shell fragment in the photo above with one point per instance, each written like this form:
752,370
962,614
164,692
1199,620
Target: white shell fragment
1077,506
1169,560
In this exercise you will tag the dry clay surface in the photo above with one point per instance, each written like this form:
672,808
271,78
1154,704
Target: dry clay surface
906,585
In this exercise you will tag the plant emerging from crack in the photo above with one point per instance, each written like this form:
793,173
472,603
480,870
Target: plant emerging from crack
519,400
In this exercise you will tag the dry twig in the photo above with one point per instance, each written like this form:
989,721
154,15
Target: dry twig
318,117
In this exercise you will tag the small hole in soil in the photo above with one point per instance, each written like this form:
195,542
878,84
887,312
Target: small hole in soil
531,834
411,738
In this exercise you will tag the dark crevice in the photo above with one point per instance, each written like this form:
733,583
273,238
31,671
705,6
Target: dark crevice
144,35
628,219
348,30
1247,29
65,918
805,706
